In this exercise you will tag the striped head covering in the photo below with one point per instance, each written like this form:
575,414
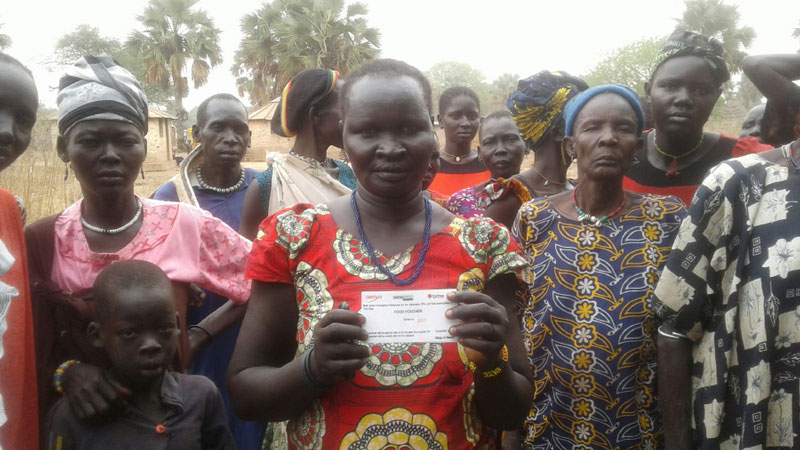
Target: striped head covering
98,88
537,104
574,107
306,89
688,43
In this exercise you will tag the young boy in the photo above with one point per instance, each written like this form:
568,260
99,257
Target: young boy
136,324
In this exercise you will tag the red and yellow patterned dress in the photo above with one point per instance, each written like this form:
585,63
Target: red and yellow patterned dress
415,396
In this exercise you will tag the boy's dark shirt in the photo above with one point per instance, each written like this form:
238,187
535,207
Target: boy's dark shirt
196,420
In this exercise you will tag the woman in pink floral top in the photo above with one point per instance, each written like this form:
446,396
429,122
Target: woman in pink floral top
102,123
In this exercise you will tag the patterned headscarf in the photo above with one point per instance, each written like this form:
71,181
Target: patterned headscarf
687,43
537,104
97,87
575,105
305,90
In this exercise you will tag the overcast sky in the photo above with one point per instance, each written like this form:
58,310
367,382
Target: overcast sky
497,36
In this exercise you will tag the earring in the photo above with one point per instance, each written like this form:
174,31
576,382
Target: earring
66,171
141,169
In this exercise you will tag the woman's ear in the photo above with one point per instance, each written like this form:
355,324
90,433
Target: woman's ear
93,333
568,148
313,116
61,149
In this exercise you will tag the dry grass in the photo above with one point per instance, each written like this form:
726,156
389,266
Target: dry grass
38,178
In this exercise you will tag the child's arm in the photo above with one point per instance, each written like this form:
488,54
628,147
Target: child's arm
59,434
215,431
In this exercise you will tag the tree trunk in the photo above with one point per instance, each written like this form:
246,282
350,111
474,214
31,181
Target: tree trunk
179,112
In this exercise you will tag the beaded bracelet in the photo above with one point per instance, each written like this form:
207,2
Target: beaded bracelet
493,372
60,373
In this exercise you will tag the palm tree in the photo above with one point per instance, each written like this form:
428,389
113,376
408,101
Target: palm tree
714,18
285,37
174,33
5,40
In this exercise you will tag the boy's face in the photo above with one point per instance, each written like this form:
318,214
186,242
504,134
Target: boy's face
139,332
18,104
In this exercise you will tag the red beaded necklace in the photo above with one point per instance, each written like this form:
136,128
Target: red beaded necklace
588,219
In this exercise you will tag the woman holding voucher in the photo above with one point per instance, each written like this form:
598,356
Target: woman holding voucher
300,354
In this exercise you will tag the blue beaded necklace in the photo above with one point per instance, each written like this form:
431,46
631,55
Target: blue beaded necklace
426,240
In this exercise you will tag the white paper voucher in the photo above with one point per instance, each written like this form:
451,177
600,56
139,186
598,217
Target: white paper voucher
407,316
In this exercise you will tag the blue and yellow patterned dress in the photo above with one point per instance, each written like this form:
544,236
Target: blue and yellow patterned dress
588,324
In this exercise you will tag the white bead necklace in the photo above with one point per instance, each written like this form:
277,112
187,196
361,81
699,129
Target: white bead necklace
307,159
118,230
218,190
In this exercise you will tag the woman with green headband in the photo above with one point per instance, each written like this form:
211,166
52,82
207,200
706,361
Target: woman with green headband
309,112
684,87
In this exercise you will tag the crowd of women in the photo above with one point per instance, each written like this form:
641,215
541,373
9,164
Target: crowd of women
651,302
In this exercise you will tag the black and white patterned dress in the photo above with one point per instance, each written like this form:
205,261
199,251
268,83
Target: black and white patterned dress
732,284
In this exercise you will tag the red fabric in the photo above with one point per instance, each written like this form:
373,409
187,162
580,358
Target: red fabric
748,145
18,363
450,183
743,146
424,384
685,193
439,198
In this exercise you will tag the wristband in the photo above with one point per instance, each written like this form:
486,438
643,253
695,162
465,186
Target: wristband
60,373
310,378
672,334
198,327
493,372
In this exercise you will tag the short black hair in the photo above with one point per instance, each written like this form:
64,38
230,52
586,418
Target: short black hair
124,275
6,58
202,110
452,93
502,114
386,67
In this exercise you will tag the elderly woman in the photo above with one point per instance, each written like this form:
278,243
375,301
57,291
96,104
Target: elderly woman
684,87
309,111
597,252
728,299
500,149
537,107
300,354
102,121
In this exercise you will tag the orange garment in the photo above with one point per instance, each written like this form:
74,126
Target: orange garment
18,362
452,178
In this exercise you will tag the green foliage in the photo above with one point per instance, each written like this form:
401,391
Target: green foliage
714,18
449,73
285,37
86,40
175,33
629,65
5,40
